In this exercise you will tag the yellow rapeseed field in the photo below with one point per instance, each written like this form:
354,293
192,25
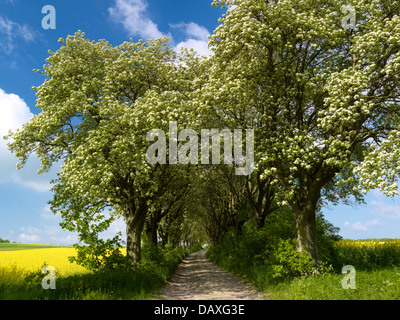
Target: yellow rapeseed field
33,260
369,254
391,244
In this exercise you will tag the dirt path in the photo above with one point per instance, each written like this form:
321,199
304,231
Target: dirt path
197,278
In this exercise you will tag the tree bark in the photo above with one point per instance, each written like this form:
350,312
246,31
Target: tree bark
260,197
151,231
305,208
152,228
306,230
135,220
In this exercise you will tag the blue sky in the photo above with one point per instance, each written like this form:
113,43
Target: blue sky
24,45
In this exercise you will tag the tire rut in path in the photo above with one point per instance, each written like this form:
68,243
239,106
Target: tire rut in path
197,278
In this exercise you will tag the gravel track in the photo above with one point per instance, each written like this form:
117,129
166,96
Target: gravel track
197,278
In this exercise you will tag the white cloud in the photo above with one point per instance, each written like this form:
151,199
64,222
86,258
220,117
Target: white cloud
37,183
54,234
196,38
29,238
132,14
361,226
10,31
386,210
47,234
116,226
14,112
47,230
201,47
193,30
376,193
232,7
30,235
67,240
47,214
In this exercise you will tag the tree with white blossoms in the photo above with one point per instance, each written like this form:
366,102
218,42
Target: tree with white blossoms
97,104
322,98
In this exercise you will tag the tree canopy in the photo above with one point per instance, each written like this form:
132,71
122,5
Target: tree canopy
319,95
321,98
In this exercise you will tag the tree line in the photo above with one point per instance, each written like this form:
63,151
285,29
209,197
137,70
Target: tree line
321,99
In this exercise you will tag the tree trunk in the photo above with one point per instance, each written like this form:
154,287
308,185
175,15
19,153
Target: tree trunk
151,230
306,231
153,236
304,206
164,239
261,201
305,218
135,221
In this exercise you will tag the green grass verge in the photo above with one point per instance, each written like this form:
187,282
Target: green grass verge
383,284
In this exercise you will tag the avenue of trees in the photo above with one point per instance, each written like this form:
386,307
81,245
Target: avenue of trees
322,100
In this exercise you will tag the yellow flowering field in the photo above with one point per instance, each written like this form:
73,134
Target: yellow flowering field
33,260
369,254
391,244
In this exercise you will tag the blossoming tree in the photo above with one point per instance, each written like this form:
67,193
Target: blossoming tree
98,103
319,95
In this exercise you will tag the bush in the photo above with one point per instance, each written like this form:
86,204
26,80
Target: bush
100,253
285,263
